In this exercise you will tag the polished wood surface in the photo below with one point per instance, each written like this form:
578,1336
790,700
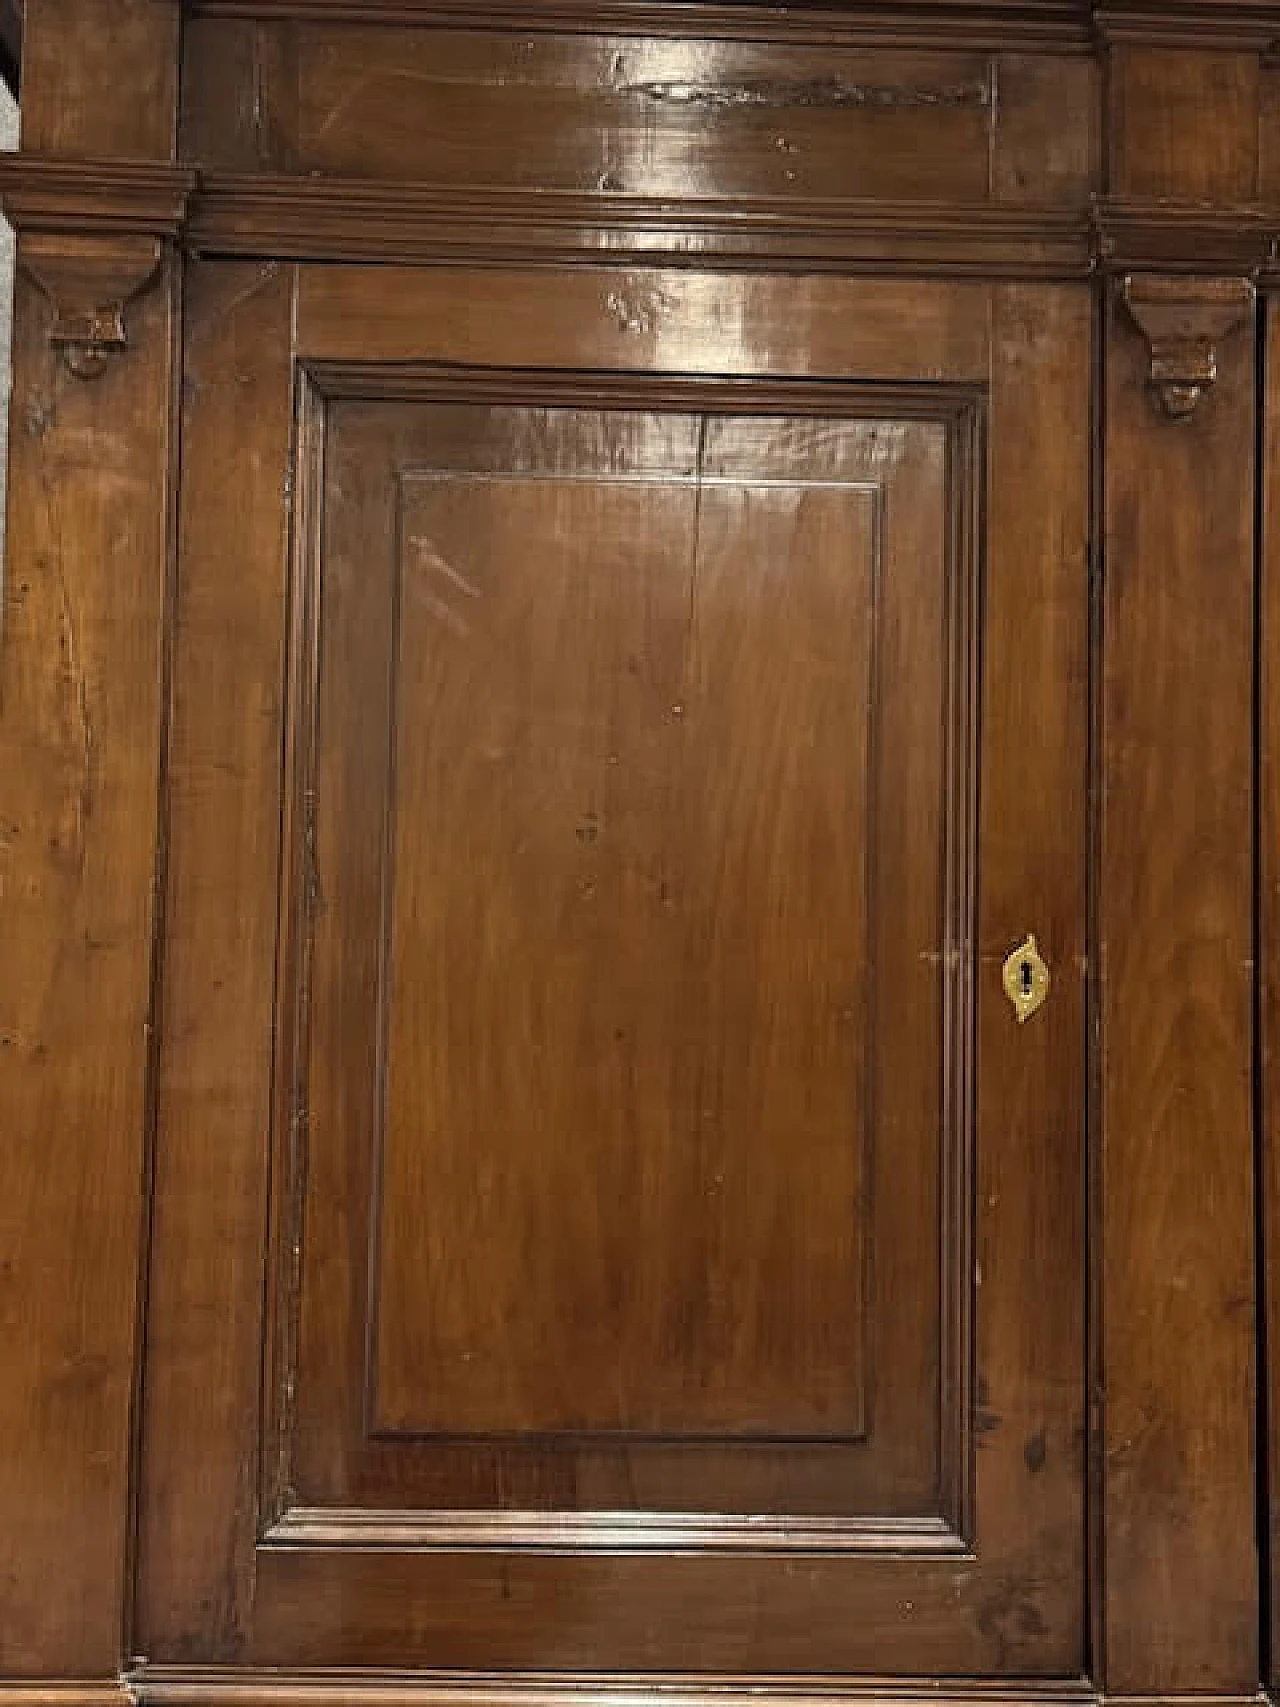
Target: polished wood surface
1176,1062
463,862
635,676
81,709
580,575
229,638
617,114
1176,939
1268,989
80,758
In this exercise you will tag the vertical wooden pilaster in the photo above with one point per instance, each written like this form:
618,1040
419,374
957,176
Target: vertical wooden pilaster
1269,937
81,717
1178,1608
1176,947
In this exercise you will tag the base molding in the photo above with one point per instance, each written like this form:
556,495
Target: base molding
439,1689
65,1692
163,1686
156,1686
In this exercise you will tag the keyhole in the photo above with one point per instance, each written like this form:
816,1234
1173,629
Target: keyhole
1026,979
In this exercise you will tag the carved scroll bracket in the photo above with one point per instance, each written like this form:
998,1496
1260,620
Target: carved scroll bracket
1184,321
89,282
93,236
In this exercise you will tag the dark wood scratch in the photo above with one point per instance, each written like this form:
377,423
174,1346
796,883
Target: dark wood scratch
814,92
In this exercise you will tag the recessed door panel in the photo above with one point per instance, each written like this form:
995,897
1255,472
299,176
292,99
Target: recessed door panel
641,773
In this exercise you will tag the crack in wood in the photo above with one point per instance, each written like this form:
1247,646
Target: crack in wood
815,92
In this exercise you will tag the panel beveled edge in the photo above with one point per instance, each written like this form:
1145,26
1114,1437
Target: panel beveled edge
944,401
284,1523
603,1529
612,1532
298,897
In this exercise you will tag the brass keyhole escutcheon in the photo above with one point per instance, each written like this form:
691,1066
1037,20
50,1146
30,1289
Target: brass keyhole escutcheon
1026,980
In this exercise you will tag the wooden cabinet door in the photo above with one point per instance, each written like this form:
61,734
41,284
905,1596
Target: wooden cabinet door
607,1214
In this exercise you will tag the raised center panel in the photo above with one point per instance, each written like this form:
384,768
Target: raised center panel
632,989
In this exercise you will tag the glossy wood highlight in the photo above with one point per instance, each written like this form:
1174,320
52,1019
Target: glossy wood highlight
352,1517
80,763
1184,125
654,903
641,574
82,674
1176,971
214,1094
1268,942
101,84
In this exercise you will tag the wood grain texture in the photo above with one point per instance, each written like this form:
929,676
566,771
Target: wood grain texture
483,1611
641,319
1069,26
81,734
214,1097
80,729
1046,134
1269,943
1269,132
359,221
101,80
625,115
470,1598
61,1692
1176,981
585,1253
239,95
605,1058
192,1688
636,893
662,118
1183,124
1033,833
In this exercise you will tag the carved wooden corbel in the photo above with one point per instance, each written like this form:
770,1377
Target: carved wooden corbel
93,236
89,282
1184,320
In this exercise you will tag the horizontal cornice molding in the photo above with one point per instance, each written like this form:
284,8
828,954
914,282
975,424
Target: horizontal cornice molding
44,194
94,235
1062,24
301,218
1065,24
1192,23
1173,237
